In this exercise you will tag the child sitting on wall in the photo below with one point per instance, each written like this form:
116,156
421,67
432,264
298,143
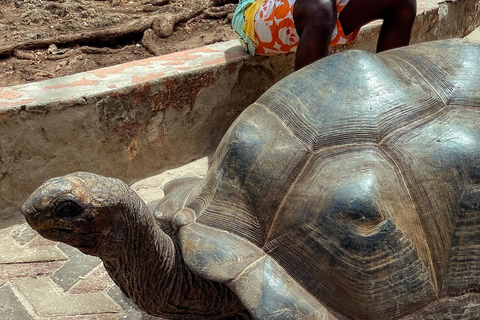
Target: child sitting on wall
308,27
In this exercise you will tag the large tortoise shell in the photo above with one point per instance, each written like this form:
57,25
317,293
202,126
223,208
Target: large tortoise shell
352,186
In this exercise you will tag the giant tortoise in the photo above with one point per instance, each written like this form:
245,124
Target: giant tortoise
349,190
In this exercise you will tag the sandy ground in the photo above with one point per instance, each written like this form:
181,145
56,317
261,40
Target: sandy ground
43,39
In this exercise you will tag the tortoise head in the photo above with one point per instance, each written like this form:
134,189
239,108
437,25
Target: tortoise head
78,209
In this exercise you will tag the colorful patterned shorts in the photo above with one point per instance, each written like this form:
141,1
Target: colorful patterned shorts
272,23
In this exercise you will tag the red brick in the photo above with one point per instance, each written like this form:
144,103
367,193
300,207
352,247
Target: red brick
32,270
40,241
98,280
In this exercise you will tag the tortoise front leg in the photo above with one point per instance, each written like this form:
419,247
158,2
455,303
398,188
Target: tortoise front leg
263,287
269,292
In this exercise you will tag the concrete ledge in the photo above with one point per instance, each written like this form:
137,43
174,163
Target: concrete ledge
140,118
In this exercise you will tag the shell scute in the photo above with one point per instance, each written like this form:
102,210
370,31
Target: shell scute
253,169
350,225
451,69
350,103
440,165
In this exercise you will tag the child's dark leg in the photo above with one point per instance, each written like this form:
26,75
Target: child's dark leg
398,17
315,21
397,27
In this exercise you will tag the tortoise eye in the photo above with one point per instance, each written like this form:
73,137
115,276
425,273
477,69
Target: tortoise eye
68,209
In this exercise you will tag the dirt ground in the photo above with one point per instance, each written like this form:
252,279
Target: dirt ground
43,39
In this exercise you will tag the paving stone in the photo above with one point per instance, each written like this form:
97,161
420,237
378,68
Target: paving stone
131,311
474,35
32,270
79,265
47,301
4,232
40,241
10,306
97,280
23,233
10,252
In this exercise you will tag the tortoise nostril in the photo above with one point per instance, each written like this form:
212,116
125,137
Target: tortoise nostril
68,209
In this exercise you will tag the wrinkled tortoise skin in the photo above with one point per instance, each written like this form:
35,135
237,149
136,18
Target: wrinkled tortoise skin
350,189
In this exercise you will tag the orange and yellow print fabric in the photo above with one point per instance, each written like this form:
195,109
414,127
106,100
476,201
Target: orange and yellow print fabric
266,27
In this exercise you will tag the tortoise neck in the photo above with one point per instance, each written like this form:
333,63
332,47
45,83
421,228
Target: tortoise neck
147,264
140,257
